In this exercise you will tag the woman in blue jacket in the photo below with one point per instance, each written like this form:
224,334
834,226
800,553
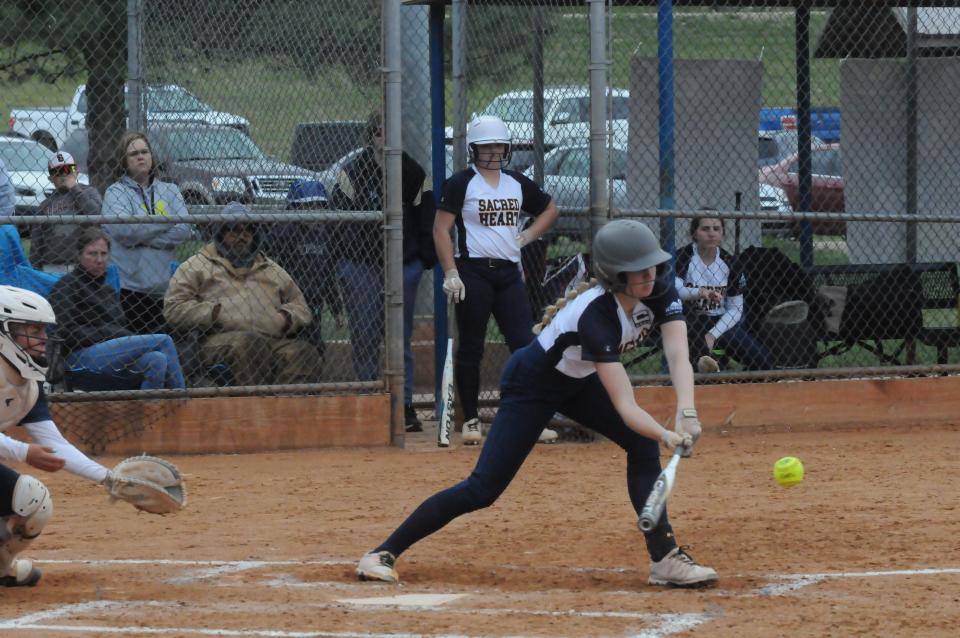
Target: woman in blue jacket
143,252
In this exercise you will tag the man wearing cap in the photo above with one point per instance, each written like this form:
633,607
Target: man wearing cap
247,308
54,246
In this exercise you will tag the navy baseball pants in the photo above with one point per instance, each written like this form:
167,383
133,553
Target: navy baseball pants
492,286
531,391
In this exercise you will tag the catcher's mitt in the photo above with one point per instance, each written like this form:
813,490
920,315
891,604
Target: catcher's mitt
148,483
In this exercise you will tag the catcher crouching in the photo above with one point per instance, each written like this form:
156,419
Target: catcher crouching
148,483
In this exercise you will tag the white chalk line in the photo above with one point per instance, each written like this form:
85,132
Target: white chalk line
664,624
667,623
794,582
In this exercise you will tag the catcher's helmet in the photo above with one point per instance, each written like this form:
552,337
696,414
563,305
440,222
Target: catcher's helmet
622,246
488,129
19,307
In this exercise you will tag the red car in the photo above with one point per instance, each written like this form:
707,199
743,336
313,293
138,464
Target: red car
827,185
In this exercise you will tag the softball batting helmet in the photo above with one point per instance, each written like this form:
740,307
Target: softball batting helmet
622,246
19,307
488,129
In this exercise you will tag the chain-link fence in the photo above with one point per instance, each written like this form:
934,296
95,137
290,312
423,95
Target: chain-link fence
616,109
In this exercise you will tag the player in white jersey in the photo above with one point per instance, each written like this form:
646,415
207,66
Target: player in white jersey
482,273
573,367
711,283
25,503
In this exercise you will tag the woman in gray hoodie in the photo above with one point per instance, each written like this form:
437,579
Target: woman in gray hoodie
143,252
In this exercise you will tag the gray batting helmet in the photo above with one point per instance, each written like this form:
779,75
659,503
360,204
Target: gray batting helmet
621,246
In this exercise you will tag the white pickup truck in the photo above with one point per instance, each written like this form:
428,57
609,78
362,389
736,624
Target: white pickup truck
566,114
51,125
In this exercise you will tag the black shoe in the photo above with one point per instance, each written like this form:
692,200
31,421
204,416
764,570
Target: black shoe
412,422
31,581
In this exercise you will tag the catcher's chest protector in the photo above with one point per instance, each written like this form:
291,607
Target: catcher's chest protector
17,395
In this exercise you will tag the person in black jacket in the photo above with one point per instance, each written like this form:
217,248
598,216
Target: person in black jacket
360,255
91,326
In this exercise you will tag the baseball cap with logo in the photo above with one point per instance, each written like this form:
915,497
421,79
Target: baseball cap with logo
60,159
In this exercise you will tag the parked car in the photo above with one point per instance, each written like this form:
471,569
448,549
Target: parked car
317,145
827,188
26,163
211,164
824,121
163,102
774,146
566,114
520,160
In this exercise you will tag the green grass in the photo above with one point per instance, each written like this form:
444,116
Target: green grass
275,96
698,34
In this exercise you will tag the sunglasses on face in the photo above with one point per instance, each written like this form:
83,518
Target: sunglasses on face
62,170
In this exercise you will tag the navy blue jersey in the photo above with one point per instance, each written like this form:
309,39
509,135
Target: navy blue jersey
40,411
487,217
594,328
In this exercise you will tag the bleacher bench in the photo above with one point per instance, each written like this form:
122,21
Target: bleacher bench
892,302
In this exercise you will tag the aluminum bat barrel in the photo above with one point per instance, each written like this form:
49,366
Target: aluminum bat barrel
653,508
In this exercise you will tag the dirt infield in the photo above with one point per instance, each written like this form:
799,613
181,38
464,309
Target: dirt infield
868,545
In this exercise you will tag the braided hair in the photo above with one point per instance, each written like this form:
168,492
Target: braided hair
550,312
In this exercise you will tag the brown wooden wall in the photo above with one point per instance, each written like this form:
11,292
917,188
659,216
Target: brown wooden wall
250,424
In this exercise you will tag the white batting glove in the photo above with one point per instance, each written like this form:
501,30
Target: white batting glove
453,286
688,423
670,440
524,238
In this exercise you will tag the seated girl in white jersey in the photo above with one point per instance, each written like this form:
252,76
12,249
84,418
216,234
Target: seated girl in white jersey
573,367
711,284
482,273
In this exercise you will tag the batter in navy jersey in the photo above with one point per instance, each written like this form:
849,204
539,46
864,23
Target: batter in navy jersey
482,275
25,502
574,367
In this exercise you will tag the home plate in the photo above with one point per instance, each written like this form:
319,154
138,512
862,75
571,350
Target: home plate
420,600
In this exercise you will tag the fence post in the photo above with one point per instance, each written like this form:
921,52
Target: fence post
599,73
393,216
136,118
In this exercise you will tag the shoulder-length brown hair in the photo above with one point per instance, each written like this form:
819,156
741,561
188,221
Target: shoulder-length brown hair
121,158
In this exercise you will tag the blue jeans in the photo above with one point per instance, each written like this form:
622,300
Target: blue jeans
412,272
736,342
531,391
363,298
153,356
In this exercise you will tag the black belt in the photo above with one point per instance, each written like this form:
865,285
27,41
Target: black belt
489,262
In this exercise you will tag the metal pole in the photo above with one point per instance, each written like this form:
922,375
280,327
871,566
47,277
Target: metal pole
440,327
536,54
136,119
802,26
415,53
393,216
911,176
599,76
458,15
666,123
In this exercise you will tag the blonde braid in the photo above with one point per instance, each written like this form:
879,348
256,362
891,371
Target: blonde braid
551,311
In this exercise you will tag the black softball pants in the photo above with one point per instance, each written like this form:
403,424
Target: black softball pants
493,286
531,392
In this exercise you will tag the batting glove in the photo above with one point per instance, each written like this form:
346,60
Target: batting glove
670,440
453,286
689,423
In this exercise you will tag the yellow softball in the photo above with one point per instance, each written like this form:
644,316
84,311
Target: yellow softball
788,471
